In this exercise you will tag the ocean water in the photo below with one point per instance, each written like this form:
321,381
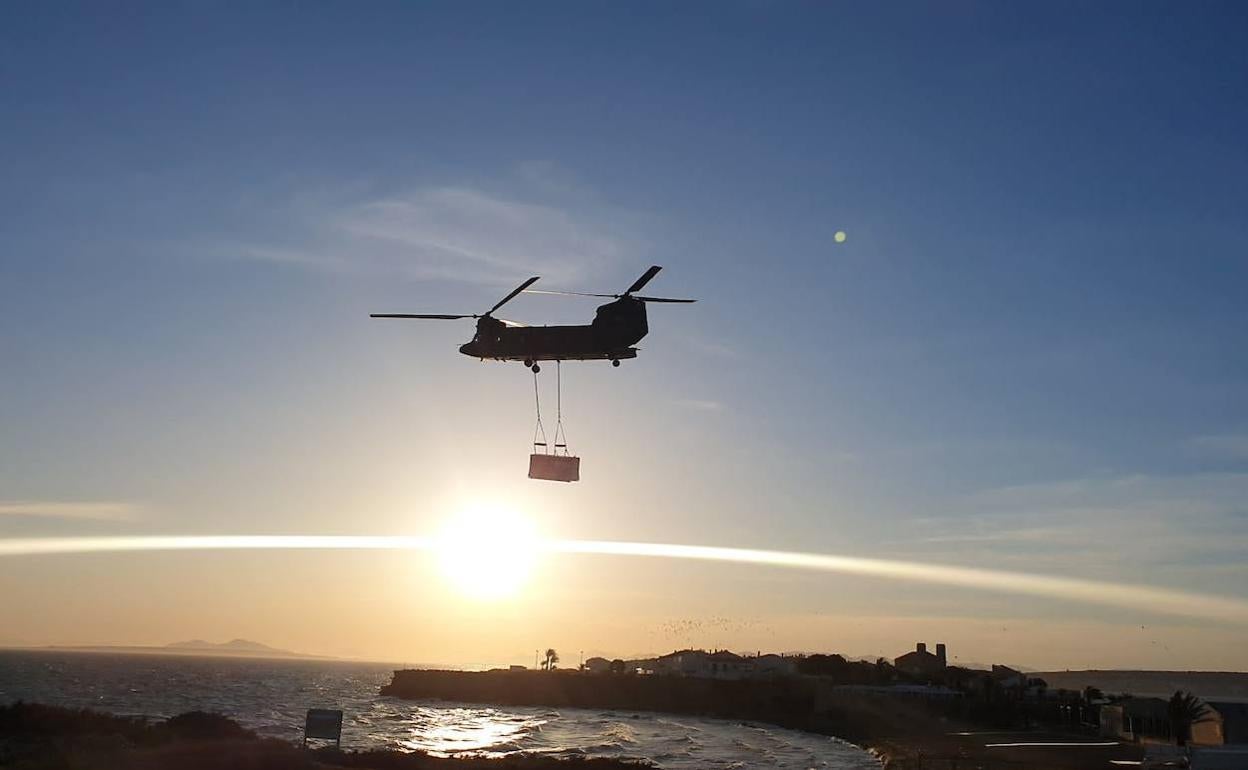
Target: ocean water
271,697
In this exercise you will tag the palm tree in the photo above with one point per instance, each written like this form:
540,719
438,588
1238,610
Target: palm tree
1186,710
552,658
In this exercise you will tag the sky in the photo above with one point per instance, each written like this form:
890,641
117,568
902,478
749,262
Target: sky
1026,356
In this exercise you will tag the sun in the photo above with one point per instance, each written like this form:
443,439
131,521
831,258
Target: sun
487,552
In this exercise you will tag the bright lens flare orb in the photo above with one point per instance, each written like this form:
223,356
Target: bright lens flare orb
840,236
487,553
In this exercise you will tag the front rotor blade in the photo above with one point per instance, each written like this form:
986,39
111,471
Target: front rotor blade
419,315
663,299
644,279
514,292
570,293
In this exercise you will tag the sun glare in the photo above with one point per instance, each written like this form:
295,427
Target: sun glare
487,552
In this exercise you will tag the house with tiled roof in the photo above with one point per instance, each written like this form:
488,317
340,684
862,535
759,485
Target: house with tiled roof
718,664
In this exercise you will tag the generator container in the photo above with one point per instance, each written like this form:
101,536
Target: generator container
554,467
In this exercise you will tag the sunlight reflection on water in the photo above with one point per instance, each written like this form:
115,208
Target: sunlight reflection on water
449,730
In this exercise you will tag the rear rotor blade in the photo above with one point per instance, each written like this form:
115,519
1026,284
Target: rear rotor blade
663,299
420,315
643,280
513,294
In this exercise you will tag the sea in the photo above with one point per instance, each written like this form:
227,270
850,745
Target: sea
272,697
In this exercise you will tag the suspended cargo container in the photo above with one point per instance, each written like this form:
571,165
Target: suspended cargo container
545,465
554,467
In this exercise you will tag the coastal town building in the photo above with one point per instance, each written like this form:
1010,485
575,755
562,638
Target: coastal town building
681,663
597,665
1148,720
921,663
1019,684
727,665
771,665
1007,677
1233,719
719,664
722,664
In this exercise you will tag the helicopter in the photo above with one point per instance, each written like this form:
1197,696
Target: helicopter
616,328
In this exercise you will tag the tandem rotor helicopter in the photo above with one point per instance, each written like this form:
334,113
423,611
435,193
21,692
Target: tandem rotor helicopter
616,328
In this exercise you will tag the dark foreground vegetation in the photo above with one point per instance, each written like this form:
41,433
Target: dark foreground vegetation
36,737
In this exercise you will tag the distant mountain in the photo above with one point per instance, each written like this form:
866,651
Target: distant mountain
232,647
236,648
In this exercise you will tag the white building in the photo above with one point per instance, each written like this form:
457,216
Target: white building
720,664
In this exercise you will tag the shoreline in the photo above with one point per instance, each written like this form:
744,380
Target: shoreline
899,732
38,735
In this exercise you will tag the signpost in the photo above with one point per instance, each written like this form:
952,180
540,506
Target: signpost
325,724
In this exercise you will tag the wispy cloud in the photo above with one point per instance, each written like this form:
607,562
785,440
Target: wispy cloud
1232,446
459,226
708,347
1195,519
98,511
704,405
454,232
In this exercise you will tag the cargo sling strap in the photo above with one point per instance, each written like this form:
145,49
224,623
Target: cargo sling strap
539,431
561,438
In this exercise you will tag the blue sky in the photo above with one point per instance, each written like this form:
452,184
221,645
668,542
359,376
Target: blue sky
1027,354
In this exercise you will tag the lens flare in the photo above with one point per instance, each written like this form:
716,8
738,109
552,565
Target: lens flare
1149,599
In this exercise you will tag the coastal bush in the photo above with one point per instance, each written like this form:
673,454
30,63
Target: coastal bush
201,725
33,720
38,737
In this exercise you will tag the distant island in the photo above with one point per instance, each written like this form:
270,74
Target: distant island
235,648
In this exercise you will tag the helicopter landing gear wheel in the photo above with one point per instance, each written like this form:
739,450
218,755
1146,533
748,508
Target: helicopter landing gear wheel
535,368
528,363
615,362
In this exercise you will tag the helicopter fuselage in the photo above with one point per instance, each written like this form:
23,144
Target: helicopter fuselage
616,327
